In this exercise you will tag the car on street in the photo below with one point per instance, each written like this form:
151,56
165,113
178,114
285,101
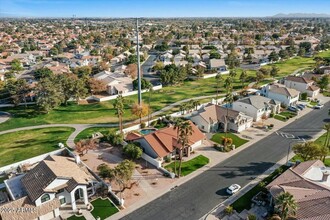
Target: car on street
232,189
318,106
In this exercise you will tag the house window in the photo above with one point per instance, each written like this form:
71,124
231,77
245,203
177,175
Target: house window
202,126
62,201
60,191
45,198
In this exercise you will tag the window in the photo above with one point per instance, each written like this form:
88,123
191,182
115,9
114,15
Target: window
45,198
62,201
60,191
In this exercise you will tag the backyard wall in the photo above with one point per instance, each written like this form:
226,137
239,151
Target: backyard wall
30,160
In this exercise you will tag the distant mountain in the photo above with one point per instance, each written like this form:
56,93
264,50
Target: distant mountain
301,15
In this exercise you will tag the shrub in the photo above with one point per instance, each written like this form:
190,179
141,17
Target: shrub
252,217
227,141
168,159
271,115
229,210
132,151
143,125
303,96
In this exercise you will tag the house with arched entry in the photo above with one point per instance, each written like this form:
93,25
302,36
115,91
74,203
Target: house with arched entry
54,183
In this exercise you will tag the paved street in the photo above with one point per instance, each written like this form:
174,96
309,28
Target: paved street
198,196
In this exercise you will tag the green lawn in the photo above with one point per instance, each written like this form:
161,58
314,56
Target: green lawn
87,133
237,141
105,113
190,165
288,114
103,208
21,145
279,117
76,218
244,202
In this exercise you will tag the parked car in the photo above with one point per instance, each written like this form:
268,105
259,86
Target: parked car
318,106
293,109
234,188
301,105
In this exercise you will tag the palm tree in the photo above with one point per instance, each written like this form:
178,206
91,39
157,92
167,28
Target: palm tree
119,106
218,79
327,128
287,204
243,77
177,124
185,130
196,103
229,99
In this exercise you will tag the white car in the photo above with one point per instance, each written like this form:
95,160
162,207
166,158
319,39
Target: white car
318,106
234,188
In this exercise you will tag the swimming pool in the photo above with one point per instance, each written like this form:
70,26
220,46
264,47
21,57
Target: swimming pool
147,131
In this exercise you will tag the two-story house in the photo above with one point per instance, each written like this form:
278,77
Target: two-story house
257,106
53,183
303,85
286,96
213,118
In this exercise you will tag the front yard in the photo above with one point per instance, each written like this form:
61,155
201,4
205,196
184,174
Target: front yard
284,116
76,218
237,141
190,165
103,208
21,145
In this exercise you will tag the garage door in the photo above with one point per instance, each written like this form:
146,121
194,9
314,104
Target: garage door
48,216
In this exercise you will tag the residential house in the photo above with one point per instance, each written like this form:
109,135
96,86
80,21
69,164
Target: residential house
218,65
257,106
164,142
53,183
117,82
309,183
287,96
213,118
303,85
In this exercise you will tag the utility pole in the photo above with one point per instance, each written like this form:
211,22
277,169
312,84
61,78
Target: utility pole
138,63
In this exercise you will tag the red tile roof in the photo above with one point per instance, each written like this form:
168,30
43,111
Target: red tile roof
163,141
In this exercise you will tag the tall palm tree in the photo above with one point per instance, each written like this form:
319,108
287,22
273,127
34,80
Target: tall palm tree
327,128
119,106
177,124
185,130
229,99
286,204
196,103
218,79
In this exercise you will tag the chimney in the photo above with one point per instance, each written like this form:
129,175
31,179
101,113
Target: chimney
325,175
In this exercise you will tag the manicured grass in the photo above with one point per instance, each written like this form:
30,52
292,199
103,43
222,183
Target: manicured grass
21,145
87,133
76,218
105,113
279,117
103,208
244,202
237,141
312,103
288,114
190,165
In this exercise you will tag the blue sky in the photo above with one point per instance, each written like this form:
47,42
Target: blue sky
159,8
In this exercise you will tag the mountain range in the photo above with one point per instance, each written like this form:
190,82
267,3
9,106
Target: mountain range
301,15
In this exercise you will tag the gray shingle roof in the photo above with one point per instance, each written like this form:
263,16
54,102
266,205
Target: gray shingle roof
258,102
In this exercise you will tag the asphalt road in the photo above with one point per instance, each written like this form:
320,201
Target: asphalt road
195,198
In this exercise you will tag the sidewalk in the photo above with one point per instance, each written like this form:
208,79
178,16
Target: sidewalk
215,158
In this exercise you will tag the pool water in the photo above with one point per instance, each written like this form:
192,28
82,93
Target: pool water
147,131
